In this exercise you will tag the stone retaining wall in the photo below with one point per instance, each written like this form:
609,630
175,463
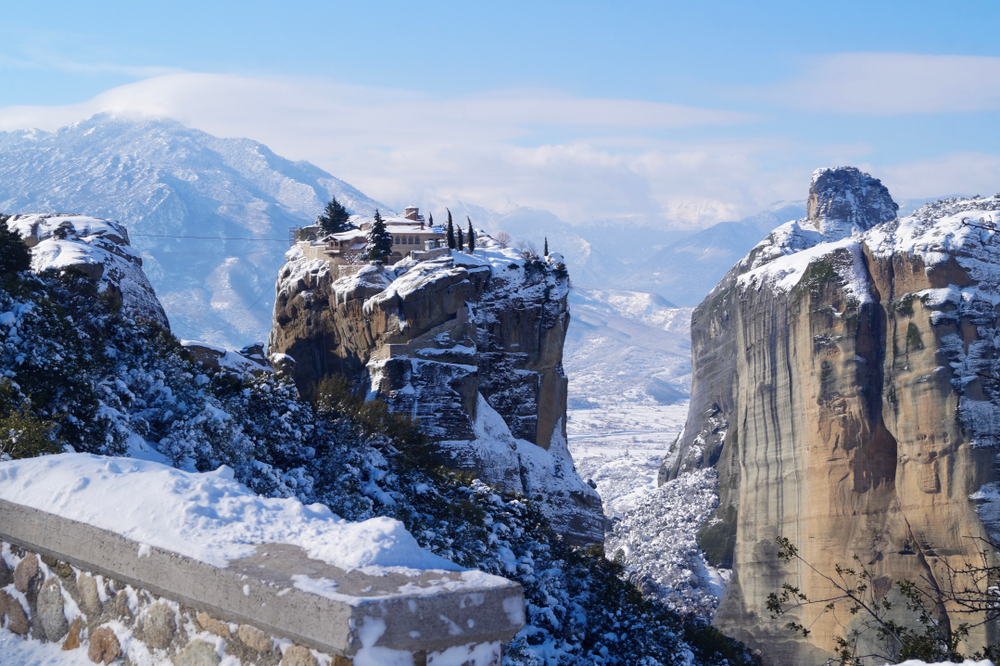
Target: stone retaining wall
48,600
71,583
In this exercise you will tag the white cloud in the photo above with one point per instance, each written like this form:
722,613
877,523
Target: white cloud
70,53
889,84
402,146
580,158
965,173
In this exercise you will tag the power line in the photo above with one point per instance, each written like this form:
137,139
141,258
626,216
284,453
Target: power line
232,238
218,254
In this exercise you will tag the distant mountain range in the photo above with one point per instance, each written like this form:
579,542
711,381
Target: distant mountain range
211,216
626,346
188,199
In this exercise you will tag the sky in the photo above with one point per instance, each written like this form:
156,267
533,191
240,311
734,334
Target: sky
675,114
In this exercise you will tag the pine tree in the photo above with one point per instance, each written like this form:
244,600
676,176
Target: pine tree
451,232
14,254
472,236
461,240
379,241
334,218
546,246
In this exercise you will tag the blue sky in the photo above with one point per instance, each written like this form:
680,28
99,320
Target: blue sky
671,113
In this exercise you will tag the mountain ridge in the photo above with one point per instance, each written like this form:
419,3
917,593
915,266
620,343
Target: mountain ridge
165,181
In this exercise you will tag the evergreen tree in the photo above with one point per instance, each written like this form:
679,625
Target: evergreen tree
546,246
14,254
461,240
379,241
472,236
334,218
430,219
451,232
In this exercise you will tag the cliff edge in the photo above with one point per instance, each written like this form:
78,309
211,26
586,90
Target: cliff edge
471,345
842,389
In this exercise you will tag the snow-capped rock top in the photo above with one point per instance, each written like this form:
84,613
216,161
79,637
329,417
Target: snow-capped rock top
843,200
844,203
951,229
959,228
99,248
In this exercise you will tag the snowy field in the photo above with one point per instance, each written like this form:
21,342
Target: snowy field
620,447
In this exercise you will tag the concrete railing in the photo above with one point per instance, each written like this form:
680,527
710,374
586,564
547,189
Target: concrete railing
277,590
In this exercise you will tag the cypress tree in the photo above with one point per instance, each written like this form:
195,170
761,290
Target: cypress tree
546,246
379,241
451,232
334,218
461,240
430,219
472,236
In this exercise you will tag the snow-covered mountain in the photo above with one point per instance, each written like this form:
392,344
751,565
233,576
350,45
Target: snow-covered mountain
188,200
626,345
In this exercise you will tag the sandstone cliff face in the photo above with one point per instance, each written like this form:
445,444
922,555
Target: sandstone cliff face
838,387
470,345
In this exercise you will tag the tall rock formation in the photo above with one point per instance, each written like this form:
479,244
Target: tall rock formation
471,345
842,388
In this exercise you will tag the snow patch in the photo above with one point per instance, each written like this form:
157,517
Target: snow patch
208,517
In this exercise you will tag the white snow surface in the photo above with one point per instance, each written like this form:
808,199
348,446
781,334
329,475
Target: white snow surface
626,347
206,516
550,471
967,662
99,247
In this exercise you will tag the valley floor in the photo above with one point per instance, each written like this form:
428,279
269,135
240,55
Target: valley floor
620,447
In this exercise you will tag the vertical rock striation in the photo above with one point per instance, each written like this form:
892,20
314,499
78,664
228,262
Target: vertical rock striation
469,345
839,388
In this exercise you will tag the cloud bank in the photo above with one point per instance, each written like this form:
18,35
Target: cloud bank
582,158
887,84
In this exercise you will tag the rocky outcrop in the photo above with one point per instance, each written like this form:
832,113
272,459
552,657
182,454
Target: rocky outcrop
471,345
100,249
249,359
841,387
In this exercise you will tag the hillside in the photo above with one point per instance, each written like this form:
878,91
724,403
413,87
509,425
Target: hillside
82,371
625,346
